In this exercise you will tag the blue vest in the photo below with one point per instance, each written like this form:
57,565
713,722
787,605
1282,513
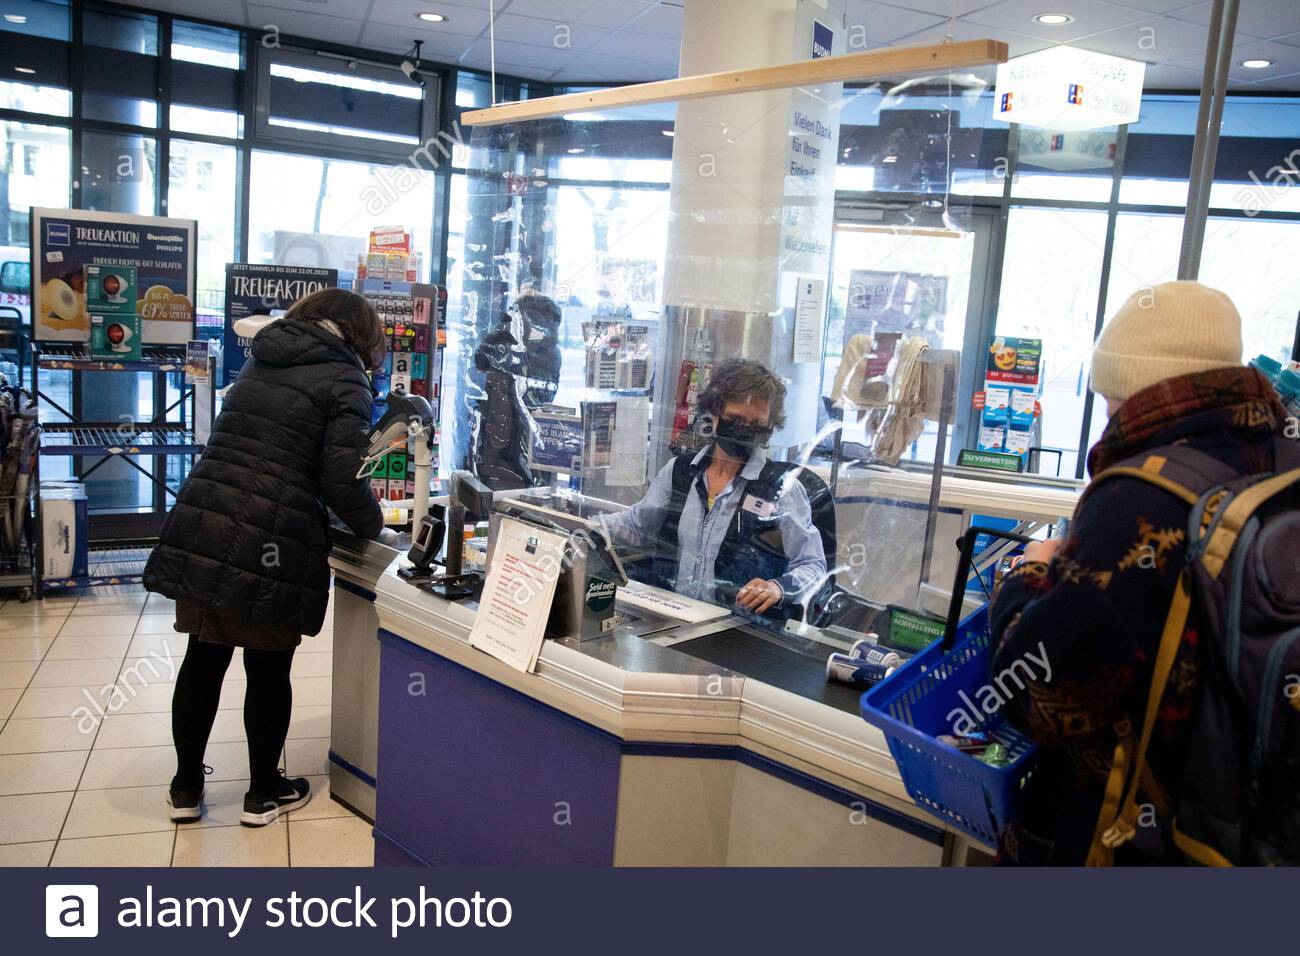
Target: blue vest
752,547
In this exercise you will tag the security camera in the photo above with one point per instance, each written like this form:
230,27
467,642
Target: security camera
412,72
411,65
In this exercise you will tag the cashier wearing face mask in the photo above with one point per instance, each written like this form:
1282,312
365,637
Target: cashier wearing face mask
728,524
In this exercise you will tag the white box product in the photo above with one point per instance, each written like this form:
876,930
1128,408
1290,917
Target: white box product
65,529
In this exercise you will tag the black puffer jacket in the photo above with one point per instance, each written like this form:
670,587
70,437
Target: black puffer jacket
248,537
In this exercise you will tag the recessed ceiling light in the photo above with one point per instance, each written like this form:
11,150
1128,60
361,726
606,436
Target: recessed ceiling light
1053,19
431,17
15,18
24,69
1257,64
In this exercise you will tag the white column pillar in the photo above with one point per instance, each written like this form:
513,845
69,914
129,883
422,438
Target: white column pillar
752,201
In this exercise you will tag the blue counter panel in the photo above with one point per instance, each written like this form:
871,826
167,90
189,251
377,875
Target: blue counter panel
474,773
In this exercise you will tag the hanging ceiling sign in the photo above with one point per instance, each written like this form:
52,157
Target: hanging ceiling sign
1065,88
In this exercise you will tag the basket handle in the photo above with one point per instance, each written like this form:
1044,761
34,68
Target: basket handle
967,545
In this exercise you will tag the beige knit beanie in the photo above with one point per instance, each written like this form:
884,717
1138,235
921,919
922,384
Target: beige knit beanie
1173,329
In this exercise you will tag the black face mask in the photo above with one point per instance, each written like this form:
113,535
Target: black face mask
738,439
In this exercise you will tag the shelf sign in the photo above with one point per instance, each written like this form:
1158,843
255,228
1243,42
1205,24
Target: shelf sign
1065,88
990,460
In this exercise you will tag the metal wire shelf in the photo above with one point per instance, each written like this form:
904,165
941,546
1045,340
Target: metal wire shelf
88,439
107,566
77,358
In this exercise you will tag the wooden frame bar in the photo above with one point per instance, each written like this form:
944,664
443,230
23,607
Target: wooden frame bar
866,65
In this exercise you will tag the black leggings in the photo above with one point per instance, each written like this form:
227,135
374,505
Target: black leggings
267,704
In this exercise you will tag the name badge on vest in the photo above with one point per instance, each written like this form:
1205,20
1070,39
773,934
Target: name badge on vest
757,506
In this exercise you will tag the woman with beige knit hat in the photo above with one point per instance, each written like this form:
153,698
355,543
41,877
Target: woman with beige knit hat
1169,366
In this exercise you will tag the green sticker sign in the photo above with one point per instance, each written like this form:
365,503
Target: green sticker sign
993,460
913,632
600,593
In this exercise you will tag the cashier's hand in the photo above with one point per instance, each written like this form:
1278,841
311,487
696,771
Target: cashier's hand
759,595
1042,551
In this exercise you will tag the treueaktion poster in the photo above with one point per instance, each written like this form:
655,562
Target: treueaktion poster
161,250
258,289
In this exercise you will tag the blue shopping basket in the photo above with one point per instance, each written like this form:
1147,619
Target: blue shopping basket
913,706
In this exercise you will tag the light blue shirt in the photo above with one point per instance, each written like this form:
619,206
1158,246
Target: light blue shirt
700,532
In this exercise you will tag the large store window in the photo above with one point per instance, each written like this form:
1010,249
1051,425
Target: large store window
119,172
334,102
1146,254
34,50
609,263
120,67
34,163
1253,261
203,183
1247,258
207,80
1051,276
307,210
1077,165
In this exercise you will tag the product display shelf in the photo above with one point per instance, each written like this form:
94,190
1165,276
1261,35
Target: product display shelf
77,359
173,432
108,567
113,439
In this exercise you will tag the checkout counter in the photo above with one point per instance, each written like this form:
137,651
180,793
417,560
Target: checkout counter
664,741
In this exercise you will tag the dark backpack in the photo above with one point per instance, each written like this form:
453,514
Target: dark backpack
1240,797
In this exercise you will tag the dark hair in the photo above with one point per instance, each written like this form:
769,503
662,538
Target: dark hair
535,306
737,380
355,317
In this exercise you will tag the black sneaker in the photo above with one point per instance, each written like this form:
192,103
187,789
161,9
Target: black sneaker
186,802
259,811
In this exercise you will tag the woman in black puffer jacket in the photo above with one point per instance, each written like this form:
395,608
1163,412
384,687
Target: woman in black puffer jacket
244,552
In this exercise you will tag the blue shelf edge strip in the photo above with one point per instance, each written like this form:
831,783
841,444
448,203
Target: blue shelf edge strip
91,581
351,768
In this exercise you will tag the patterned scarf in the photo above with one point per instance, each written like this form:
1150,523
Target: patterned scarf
1236,400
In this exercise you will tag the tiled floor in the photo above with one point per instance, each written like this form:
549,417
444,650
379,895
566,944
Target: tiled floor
85,745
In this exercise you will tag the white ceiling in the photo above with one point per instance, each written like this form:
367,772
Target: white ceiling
633,40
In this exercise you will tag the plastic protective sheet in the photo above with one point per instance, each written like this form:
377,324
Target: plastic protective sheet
618,263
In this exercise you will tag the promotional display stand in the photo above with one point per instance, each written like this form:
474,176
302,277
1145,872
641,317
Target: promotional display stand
415,322
112,292
1010,412
170,432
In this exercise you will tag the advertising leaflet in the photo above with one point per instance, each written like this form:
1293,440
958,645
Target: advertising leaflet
557,444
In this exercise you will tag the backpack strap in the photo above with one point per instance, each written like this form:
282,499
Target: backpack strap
1117,822
1181,470
1187,474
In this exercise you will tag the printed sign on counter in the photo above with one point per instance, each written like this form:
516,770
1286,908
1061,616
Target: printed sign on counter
517,595
809,311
